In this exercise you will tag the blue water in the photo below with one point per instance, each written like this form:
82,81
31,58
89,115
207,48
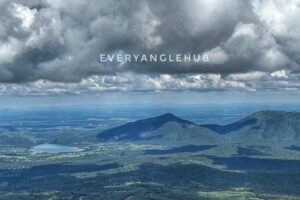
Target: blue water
52,148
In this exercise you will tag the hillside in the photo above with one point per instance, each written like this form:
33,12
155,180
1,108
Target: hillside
163,128
263,128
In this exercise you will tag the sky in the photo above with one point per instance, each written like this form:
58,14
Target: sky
52,47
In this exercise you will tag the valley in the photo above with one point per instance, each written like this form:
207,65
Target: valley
157,157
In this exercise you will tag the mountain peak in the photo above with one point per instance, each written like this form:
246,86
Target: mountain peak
162,119
169,117
132,130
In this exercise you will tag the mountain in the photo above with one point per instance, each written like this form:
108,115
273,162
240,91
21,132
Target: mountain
164,128
264,127
269,128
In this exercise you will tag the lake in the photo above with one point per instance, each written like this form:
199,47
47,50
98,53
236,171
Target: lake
53,148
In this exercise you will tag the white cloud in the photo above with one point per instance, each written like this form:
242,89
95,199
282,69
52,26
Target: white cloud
245,30
125,82
280,16
250,76
280,74
281,19
24,14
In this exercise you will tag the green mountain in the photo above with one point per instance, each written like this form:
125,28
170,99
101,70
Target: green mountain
279,128
164,128
268,128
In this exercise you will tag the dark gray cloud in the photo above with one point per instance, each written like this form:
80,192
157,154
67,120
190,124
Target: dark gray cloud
60,41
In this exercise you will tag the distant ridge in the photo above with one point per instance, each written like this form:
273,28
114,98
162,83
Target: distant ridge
263,127
261,116
137,127
163,127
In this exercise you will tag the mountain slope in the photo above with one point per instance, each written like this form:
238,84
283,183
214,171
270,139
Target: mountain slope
164,128
279,128
264,127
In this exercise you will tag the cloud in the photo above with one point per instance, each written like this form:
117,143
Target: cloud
280,74
61,41
52,44
246,76
281,20
217,55
124,82
24,14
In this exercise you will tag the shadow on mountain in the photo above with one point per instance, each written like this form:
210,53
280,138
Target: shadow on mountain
293,148
223,129
183,149
247,164
55,169
165,180
243,151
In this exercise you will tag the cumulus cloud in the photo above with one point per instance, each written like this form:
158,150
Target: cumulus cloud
55,45
280,74
127,82
217,55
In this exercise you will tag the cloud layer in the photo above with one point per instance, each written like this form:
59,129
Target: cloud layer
54,46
